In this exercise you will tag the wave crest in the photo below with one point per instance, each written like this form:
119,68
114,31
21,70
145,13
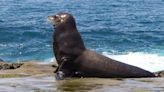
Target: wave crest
150,62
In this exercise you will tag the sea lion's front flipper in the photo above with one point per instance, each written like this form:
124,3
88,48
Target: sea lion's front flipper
63,74
56,69
59,75
62,70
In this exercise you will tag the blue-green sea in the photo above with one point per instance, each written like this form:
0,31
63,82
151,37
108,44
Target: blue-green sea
131,31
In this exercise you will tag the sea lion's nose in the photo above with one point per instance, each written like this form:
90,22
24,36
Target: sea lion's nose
51,18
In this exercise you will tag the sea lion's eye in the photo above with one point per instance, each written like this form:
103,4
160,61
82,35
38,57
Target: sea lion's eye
56,16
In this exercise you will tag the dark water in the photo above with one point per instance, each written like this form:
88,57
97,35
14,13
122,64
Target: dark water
111,27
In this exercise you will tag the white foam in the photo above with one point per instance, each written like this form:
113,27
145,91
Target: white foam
150,62
52,59
49,60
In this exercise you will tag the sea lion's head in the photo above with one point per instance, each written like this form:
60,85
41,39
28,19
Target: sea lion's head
61,18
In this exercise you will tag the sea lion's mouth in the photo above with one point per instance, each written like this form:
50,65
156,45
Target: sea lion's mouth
51,19
54,20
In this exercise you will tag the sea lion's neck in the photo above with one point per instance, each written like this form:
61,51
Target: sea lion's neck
65,27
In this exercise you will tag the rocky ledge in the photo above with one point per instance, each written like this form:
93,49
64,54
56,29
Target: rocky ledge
32,68
26,68
4,66
33,76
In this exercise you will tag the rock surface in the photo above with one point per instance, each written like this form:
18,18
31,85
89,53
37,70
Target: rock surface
31,68
38,77
4,66
49,84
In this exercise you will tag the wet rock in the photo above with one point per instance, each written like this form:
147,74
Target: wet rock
24,69
5,66
15,65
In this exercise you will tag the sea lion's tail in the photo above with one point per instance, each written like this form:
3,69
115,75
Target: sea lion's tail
158,74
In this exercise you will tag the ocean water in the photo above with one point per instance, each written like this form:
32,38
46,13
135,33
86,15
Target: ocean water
131,31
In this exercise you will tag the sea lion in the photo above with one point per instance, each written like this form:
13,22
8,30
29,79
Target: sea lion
75,60
67,43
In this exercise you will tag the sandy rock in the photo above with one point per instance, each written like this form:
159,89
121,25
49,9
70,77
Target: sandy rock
29,68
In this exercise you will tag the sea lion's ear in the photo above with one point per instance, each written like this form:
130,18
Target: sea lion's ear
63,17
